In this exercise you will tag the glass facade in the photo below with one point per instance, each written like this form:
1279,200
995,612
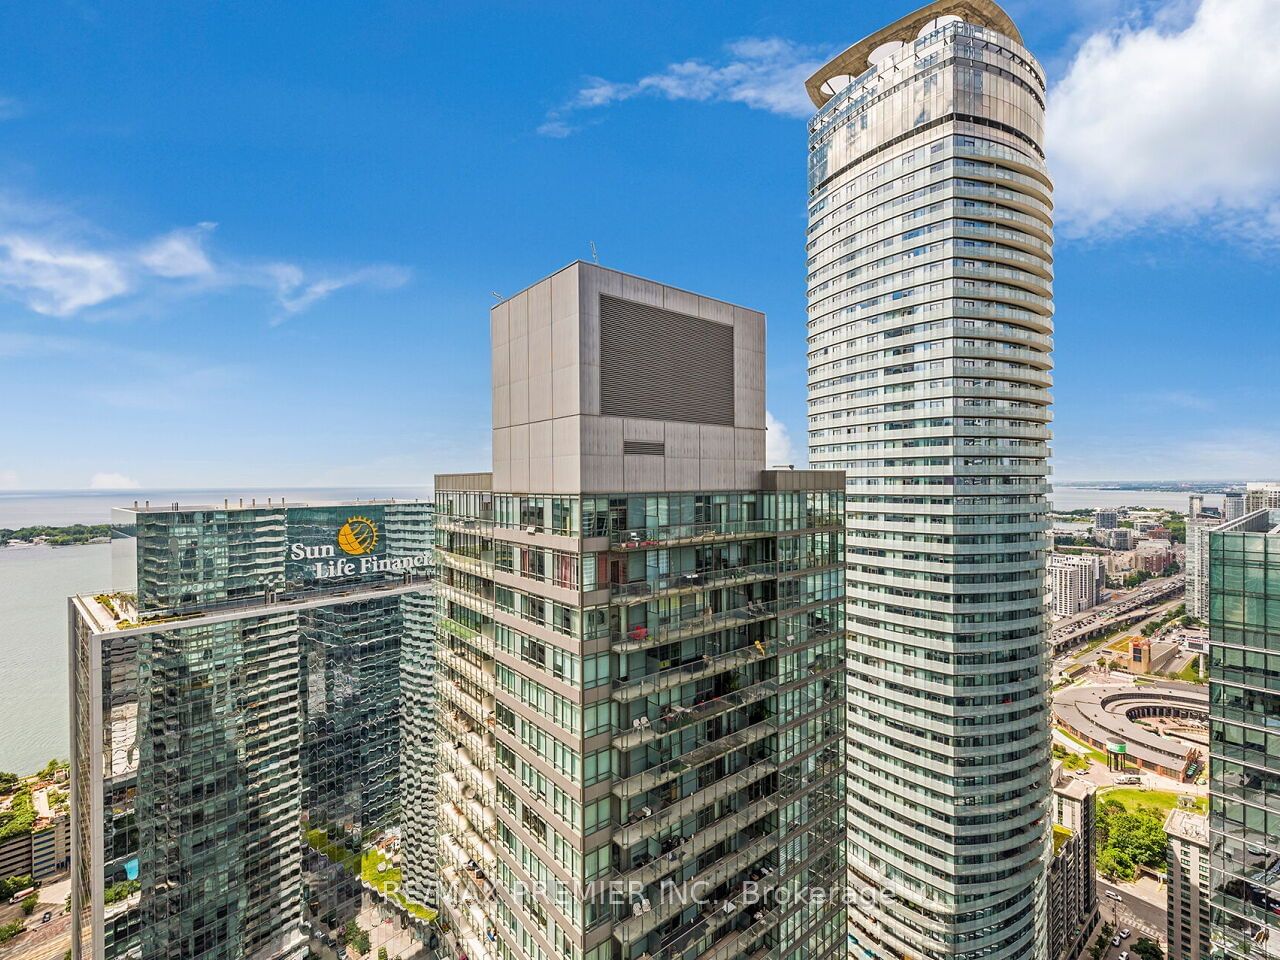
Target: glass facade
642,699
929,336
240,734
1244,730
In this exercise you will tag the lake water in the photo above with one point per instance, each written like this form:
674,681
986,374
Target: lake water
1079,498
36,581
34,585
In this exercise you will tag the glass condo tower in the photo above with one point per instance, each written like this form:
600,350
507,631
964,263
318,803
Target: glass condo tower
240,724
640,646
1244,739
930,315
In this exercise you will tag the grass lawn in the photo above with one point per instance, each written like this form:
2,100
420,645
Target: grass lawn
1120,646
387,882
1097,755
1189,673
1162,800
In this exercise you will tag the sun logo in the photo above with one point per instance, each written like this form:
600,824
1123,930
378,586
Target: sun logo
358,536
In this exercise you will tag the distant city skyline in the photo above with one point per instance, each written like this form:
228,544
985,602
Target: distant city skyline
198,227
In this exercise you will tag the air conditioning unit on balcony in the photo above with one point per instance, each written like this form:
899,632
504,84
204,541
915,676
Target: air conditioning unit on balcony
530,529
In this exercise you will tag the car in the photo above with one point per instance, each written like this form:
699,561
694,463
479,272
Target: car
1124,934
1115,941
1115,896
1124,955
48,915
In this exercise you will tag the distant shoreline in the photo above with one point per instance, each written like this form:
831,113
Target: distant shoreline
67,535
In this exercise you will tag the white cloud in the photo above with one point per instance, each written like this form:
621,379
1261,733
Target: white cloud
295,291
762,73
112,481
9,480
57,265
58,280
778,448
179,253
1172,123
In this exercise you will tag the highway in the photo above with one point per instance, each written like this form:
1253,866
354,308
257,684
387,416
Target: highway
1077,629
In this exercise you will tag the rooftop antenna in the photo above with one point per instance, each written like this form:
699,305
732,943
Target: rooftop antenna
496,295
594,255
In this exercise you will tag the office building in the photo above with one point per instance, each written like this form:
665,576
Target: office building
236,728
640,645
1105,520
929,337
1244,747
1076,582
1187,890
1073,896
1232,506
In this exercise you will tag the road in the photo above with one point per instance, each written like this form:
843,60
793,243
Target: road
42,941
1061,637
1064,662
1140,915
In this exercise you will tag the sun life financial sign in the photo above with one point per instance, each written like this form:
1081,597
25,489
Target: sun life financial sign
351,554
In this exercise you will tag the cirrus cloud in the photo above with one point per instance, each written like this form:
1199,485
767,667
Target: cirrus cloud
763,73
57,265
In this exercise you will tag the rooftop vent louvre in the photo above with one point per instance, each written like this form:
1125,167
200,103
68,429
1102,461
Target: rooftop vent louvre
644,448
656,364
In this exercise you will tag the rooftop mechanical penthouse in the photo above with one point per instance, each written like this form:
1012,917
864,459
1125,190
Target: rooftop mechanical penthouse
640,643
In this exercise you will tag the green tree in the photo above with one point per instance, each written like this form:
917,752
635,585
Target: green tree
1148,949
355,936
1141,836
10,930
382,953
1115,864
11,886
29,903
8,781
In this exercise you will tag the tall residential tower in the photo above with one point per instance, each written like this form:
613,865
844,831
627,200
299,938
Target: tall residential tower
1244,743
640,646
930,306
238,725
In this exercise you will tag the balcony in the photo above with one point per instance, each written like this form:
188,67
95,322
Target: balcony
643,923
650,870
677,716
708,665
660,816
672,583
654,777
690,533
680,627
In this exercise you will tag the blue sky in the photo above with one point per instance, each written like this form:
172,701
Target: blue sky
254,245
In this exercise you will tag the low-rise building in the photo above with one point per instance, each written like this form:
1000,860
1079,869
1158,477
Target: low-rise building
1187,859
1153,556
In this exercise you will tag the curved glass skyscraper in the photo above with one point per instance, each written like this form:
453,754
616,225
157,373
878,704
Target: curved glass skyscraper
929,272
